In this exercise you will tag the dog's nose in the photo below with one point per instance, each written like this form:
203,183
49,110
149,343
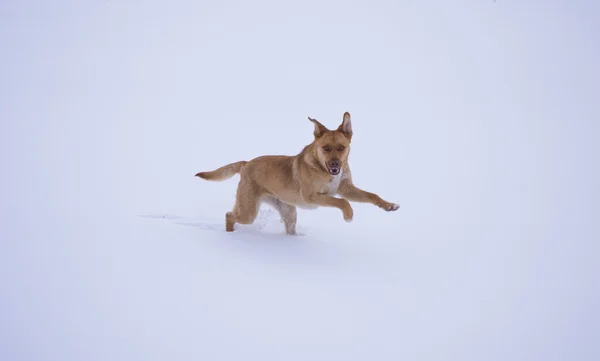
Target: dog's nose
334,163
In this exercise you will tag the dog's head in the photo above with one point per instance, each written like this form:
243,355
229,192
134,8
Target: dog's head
333,146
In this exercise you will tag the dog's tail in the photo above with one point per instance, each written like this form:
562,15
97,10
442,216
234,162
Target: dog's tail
225,172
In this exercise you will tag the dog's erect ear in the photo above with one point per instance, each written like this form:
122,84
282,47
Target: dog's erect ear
320,129
346,126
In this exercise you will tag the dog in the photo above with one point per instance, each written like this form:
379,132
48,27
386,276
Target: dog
308,180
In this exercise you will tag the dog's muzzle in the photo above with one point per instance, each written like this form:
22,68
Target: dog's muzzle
334,167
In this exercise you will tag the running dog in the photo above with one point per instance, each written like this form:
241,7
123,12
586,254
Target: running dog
307,180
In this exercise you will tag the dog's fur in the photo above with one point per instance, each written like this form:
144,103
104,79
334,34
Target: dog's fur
307,180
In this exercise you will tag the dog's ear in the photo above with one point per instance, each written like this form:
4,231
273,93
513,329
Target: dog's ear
320,129
346,126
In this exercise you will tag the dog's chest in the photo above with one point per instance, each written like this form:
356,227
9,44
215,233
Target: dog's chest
331,187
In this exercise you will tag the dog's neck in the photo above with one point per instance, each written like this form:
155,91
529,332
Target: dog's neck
332,186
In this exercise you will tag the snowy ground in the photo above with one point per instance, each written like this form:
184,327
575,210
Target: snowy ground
480,118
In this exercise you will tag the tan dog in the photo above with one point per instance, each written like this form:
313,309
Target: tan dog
307,180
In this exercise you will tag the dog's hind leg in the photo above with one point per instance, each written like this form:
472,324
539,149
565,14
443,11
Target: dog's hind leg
289,216
229,221
287,212
247,201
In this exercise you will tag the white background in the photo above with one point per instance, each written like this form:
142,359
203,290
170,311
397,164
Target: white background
480,118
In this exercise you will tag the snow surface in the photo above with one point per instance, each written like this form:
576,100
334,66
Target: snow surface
480,118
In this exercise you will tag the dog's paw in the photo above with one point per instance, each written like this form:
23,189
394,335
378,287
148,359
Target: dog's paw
390,207
348,215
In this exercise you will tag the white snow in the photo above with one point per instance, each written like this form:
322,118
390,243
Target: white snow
479,118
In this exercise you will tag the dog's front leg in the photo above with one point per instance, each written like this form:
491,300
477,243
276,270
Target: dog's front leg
329,201
354,194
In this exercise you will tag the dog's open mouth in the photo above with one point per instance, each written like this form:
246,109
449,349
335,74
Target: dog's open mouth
334,171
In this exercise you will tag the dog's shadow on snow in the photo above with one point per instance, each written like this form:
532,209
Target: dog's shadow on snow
265,241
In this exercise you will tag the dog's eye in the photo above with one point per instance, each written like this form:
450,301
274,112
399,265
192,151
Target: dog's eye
327,148
341,147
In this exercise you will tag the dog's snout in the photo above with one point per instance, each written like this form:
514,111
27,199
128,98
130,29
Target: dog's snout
334,163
